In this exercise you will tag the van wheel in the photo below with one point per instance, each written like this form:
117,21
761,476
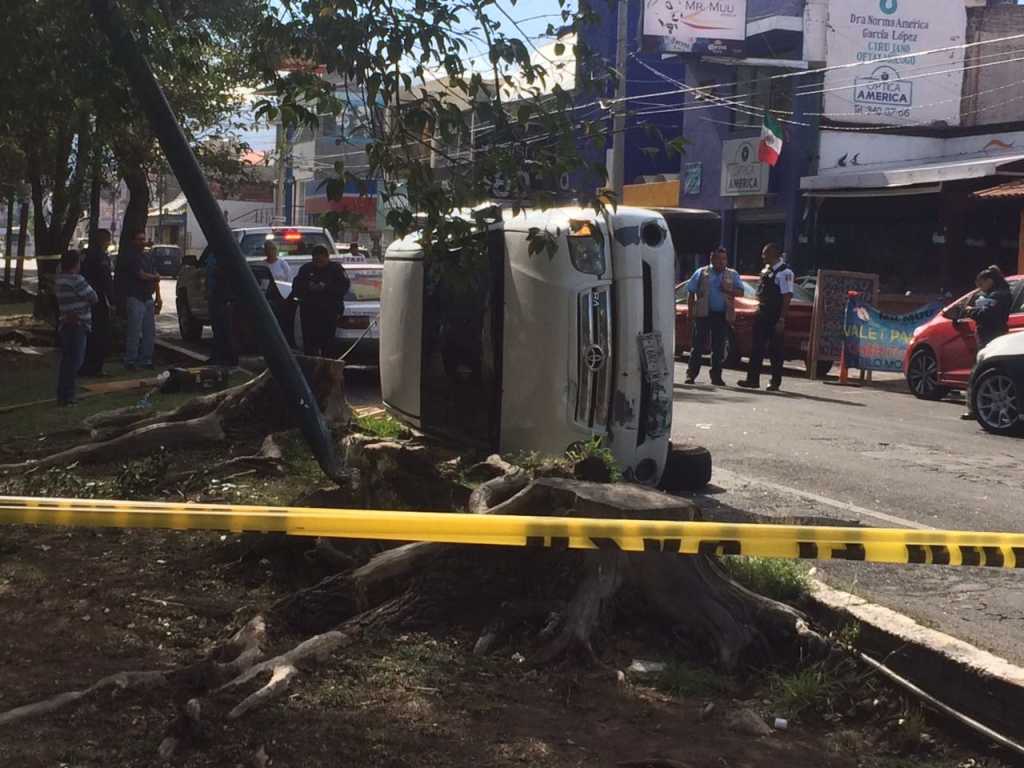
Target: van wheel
189,327
687,468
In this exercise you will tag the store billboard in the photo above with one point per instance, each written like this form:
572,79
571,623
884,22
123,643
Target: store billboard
717,27
894,84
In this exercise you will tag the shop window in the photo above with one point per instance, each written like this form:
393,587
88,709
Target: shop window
756,92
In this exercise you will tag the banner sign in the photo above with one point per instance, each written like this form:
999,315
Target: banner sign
876,341
830,297
742,173
910,88
715,27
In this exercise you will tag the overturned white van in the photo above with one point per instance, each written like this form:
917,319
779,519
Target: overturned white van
513,349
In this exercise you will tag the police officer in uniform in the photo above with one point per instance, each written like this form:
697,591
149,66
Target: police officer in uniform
774,293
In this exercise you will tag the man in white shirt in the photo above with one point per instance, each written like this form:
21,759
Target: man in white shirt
280,269
774,293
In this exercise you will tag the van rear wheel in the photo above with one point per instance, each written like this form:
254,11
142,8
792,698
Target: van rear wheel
687,468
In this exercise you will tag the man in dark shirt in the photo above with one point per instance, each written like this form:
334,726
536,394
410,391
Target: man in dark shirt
320,288
96,271
140,283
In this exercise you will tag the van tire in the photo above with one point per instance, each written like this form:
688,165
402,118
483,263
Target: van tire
687,468
190,328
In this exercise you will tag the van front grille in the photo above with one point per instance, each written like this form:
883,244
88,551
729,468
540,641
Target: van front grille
594,334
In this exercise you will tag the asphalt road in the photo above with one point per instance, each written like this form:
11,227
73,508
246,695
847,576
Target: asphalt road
876,455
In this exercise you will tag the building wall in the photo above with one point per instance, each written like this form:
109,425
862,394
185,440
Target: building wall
993,94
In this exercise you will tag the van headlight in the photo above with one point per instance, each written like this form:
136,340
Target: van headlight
586,248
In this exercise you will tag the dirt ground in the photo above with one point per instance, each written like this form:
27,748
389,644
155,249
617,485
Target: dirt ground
76,605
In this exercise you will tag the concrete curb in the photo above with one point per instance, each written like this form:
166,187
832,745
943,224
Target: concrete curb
975,682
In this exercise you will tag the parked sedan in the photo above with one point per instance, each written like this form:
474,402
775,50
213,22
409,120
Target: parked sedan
942,352
741,336
996,387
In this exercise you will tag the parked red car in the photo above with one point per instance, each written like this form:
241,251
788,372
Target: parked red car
941,353
741,335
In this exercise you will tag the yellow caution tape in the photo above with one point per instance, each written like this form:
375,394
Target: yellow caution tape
875,545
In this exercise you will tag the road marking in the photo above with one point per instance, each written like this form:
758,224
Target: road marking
732,477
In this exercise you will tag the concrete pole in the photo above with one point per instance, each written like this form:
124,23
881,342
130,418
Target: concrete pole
618,169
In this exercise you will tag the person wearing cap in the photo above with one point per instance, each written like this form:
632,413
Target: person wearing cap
712,290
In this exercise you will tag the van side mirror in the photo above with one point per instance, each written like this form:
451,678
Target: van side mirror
190,260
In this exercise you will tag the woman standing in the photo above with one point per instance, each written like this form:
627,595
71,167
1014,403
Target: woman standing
990,311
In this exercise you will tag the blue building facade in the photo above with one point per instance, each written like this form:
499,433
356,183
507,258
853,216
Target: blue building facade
711,102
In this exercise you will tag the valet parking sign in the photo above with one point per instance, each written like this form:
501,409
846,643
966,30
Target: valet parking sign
902,89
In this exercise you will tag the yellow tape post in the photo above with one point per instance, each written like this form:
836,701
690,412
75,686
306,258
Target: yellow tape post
874,545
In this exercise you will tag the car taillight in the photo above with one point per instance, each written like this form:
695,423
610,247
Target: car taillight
291,235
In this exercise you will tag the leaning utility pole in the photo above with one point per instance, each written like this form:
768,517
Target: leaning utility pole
282,364
618,169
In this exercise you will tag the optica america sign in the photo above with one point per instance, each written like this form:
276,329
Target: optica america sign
697,26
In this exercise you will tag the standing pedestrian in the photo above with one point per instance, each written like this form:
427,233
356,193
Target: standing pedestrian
141,282
774,293
990,311
280,269
74,319
712,291
96,271
220,300
320,288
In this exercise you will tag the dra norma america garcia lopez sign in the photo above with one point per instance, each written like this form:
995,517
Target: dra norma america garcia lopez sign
904,86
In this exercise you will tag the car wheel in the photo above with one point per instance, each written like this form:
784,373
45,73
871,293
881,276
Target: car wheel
996,401
687,468
189,327
923,376
731,356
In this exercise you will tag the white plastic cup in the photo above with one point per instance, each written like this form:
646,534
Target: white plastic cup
781,724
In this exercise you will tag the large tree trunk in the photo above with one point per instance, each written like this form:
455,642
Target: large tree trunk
137,210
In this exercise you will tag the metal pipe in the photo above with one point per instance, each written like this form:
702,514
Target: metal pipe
960,717
283,366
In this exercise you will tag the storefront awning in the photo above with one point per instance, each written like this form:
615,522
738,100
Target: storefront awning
909,174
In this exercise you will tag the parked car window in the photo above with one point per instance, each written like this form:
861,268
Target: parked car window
1018,305
252,245
364,284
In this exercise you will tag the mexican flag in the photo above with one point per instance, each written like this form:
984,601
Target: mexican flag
771,141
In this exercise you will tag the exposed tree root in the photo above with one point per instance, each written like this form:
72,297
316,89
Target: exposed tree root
257,404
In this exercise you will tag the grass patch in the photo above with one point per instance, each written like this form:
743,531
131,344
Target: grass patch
812,689
777,579
594,448
680,679
380,425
